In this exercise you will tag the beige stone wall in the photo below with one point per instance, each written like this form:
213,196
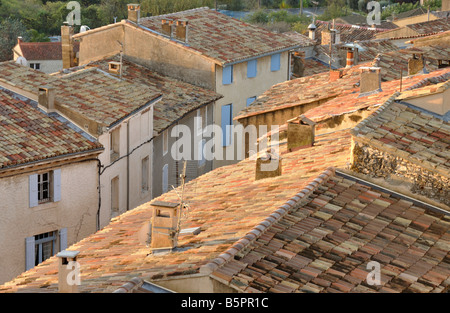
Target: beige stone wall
379,164
438,103
415,19
76,211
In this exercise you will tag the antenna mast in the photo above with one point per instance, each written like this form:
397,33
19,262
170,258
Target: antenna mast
183,178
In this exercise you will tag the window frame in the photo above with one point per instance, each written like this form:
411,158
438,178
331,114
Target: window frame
145,175
227,74
252,68
275,62
40,189
39,246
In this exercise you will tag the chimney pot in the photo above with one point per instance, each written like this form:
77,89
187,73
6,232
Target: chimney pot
350,58
67,283
134,12
19,39
114,67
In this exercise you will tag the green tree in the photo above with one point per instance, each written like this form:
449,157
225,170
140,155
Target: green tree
10,29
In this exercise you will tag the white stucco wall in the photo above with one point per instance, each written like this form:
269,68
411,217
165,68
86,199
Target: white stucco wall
76,211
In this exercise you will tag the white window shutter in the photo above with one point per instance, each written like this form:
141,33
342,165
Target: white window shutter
29,253
57,185
62,239
165,178
33,192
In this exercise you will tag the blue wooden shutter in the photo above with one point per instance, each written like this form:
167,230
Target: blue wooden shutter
62,239
252,68
29,253
57,185
275,62
227,75
250,100
227,116
33,190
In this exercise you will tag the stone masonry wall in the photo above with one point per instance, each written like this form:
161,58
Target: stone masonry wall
378,164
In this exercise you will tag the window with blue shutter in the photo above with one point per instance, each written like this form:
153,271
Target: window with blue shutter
252,68
227,75
226,122
62,239
30,256
275,62
250,100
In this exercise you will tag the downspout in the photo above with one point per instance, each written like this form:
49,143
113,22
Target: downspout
128,164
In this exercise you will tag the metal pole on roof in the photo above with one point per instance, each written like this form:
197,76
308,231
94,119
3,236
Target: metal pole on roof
401,78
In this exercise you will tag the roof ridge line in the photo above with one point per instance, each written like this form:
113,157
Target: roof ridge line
259,229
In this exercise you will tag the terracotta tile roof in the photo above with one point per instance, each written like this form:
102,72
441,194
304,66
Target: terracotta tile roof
413,135
313,66
224,38
301,91
323,239
43,50
301,39
225,203
353,100
93,93
28,134
392,63
424,28
348,32
179,98
410,13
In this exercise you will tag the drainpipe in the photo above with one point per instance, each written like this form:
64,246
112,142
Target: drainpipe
128,164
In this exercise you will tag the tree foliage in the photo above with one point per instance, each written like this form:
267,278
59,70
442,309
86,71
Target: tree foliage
10,29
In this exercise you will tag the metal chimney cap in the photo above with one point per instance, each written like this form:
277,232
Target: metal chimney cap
68,254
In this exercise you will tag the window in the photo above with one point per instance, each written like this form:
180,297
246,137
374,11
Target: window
114,144
165,142
145,167
227,75
252,68
115,195
201,147
40,247
202,119
45,187
250,100
165,178
226,122
36,66
275,62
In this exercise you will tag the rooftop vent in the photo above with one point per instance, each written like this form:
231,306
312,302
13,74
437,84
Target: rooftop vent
114,67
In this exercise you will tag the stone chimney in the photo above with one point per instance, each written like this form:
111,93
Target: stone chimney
298,66
268,165
300,133
67,46
166,27
164,225
328,36
416,64
134,12
46,98
337,36
370,79
68,272
181,30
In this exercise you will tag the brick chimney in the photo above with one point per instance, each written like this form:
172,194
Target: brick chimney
164,225
370,79
328,36
268,165
134,12
46,98
19,39
166,27
181,30
336,74
300,133
67,46
68,272
350,58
